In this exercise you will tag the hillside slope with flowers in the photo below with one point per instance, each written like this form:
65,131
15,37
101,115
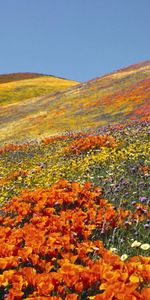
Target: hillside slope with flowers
114,98
75,213
17,87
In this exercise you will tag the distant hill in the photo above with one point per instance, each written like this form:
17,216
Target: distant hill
18,76
114,98
21,86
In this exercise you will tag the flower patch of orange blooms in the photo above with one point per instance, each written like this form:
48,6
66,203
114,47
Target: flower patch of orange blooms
49,140
72,135
90,142
13,147
46,251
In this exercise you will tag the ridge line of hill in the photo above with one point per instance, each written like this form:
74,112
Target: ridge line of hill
17,76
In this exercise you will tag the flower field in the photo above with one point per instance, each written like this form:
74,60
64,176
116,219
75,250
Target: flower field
75,215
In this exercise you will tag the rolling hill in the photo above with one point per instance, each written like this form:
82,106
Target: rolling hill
113,98
21,86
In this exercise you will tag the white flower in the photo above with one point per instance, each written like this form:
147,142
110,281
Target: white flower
145,246
135,244
124,257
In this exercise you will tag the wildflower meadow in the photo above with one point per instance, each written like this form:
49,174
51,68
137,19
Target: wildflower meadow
75,215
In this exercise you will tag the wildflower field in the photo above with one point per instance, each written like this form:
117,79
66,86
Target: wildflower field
75,215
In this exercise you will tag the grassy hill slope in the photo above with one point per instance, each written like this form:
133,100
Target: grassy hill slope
117,97
21,86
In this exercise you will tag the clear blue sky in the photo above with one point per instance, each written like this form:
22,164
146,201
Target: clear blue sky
75,39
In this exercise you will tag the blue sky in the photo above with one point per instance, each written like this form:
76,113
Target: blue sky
75,39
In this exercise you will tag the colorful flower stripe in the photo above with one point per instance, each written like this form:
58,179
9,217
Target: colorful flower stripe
90,142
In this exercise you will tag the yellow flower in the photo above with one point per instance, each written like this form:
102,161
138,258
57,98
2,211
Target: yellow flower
113,249
145,246
134,278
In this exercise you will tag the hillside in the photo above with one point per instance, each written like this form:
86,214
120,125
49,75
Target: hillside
75,207
21,86
116,97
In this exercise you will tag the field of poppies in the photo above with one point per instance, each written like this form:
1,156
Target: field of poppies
75,216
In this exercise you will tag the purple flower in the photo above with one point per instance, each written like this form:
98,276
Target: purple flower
142,199
127,223
138,207
146,226
126,193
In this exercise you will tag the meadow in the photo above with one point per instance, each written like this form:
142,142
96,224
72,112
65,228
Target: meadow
75,215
